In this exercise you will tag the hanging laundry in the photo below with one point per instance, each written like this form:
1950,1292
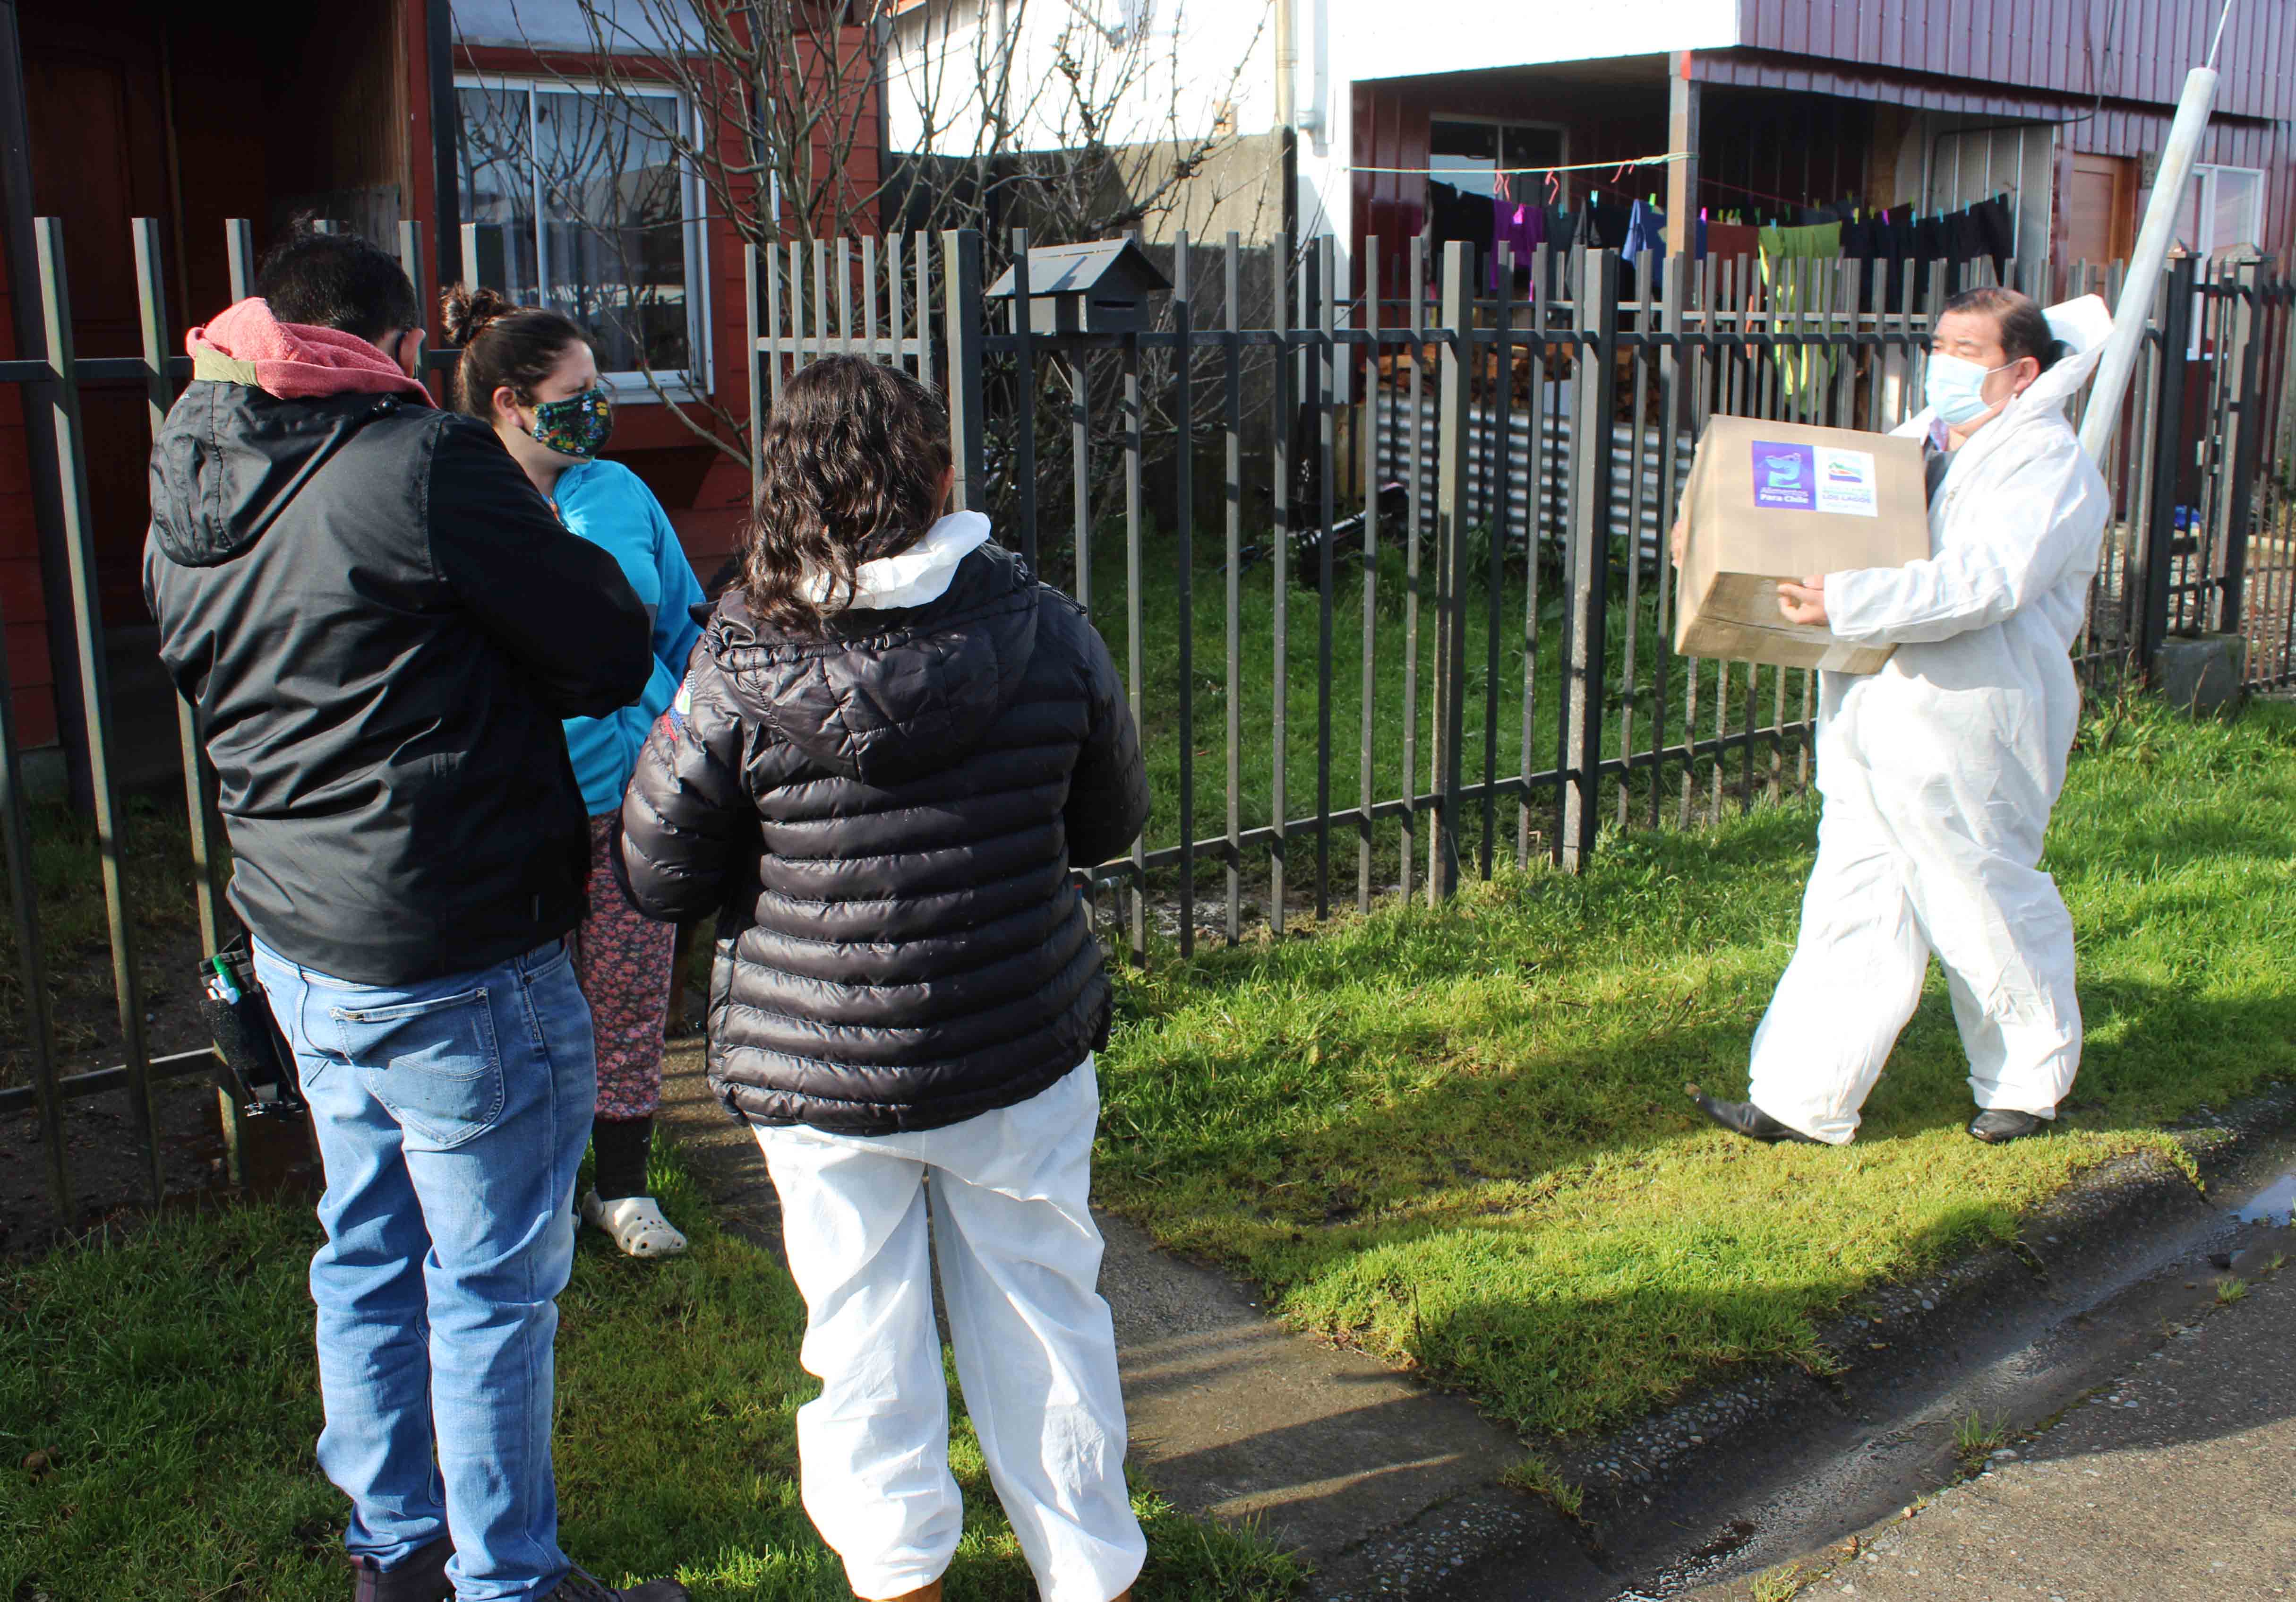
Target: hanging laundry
1820,241
1457,216
1861,239
1803,370
1561,226
1729,242
1521,229
1646,230
1996,233
1606,225
1646,236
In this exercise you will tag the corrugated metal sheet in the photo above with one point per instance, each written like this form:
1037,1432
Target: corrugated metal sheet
1552,474
2125,49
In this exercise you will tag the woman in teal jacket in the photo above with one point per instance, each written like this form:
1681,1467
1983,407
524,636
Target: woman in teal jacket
531,375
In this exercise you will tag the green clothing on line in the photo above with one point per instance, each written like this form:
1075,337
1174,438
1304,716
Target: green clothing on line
1806,371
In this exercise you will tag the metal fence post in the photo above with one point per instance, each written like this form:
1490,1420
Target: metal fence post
1454,446
95,685
2167,457
199,780
1184,576
239,254
960,287
1024,435
2244,424
753,432
1587,559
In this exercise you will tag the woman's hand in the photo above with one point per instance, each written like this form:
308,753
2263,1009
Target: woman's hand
1678,540
1804,603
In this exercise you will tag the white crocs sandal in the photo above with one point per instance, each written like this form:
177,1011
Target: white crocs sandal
636,1223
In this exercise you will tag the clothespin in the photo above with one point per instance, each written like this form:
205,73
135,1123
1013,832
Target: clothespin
1553,188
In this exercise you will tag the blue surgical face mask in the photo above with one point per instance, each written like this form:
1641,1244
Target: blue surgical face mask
1955,388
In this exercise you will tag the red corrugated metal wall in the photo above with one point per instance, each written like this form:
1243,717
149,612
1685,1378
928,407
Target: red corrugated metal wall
2124,49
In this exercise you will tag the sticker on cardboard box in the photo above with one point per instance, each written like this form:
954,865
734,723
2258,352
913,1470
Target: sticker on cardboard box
1821,478
1845,482
1785,476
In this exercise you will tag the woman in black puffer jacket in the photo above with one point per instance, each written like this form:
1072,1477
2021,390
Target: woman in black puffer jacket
891,746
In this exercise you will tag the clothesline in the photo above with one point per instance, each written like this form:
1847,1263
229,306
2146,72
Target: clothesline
1519,172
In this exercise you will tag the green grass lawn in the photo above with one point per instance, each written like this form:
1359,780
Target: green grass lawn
68,883
1460,1139
170,1370
1521,631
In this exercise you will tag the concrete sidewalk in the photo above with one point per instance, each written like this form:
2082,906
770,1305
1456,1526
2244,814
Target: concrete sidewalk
2176,1483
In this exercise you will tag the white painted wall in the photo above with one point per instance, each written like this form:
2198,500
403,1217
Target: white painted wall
1347,41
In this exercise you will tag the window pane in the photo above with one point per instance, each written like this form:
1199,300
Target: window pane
497,191
613,225
2238,205
2188,216
1463,155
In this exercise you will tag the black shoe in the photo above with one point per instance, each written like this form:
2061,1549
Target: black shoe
580,1585
1745,1118
2001,1125
421,1577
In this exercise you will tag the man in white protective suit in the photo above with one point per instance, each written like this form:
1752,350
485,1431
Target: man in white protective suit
1938,772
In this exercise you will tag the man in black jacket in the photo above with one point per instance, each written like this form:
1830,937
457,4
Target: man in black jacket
380,625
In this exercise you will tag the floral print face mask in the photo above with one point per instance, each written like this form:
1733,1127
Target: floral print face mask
576,426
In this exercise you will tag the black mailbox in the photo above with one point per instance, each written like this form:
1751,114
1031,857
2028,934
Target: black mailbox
1098,288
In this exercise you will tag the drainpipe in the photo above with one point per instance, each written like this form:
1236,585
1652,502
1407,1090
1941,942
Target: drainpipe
1287,63
1287,139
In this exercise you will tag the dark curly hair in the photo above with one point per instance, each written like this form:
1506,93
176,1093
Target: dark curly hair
852,462
505,346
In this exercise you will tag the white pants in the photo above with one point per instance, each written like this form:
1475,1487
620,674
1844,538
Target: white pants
1036,1348
1900,872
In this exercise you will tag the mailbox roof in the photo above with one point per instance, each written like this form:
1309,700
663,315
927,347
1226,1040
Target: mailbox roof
1074,270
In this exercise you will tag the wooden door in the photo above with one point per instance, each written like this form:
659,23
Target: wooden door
2100,209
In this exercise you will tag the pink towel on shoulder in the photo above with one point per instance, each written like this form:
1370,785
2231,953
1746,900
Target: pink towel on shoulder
298,361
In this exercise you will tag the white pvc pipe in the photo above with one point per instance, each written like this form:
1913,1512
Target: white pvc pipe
2138,292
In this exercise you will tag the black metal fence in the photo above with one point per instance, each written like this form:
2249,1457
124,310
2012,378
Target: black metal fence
1423,606
49,383
1471,472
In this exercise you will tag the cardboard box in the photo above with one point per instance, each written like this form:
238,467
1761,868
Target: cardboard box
1772,502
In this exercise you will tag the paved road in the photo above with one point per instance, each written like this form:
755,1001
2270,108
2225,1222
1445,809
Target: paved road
2177,1483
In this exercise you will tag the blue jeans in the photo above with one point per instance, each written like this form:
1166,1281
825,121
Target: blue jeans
452,1116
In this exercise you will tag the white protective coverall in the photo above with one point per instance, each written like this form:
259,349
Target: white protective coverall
1938,773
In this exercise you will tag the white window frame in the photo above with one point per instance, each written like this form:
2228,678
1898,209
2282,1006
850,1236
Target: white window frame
1504,124
2204,217
631,386
2204,243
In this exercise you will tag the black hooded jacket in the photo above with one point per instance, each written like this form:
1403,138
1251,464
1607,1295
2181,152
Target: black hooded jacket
380,624
887,818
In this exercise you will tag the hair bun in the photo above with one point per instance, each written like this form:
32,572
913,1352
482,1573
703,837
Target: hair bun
464,312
